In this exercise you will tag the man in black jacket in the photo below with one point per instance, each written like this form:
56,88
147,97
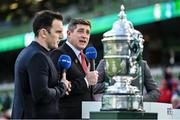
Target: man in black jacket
81,78
37,87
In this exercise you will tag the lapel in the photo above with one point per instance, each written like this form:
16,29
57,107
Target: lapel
73,56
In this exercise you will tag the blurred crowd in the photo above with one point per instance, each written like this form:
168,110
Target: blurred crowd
5,106
170,89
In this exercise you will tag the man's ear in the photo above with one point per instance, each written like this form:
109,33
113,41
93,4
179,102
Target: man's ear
68,32
43,33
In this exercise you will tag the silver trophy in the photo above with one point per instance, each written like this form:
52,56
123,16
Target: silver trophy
123,47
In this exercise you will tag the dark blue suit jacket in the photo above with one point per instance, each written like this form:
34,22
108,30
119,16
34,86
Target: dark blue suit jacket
37,89
70,105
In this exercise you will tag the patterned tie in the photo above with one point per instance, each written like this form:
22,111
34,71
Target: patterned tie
83,61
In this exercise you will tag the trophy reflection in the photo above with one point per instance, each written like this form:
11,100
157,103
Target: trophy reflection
123,46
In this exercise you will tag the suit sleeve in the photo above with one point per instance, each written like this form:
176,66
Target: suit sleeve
38,70
153,93
100,86
101,71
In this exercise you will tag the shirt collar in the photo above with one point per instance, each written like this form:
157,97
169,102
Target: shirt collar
76,51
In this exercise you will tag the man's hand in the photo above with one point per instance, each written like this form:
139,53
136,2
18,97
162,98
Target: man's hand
66,82
91,76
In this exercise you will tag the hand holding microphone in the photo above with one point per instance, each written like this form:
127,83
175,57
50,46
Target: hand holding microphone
64,63
92,74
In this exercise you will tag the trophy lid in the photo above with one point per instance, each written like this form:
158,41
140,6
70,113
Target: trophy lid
122,27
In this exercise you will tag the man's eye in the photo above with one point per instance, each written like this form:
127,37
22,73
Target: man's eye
88,32
80,31
59,31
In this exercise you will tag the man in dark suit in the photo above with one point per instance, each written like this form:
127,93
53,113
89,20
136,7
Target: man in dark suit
152,92
81,78
37,88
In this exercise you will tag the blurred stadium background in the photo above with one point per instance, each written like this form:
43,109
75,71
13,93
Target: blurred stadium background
158,20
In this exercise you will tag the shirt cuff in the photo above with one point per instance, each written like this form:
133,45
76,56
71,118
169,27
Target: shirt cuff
86,82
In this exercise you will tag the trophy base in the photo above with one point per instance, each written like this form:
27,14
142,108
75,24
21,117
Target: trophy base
121,102
120,109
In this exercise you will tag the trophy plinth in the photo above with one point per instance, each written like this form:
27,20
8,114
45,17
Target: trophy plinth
123,46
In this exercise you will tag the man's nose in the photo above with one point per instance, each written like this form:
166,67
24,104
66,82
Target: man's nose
84,35
61,36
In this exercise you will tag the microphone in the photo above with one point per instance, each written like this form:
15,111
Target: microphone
91,55
64,62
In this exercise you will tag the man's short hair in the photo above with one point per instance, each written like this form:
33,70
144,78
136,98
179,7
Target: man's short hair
74,22
44,19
